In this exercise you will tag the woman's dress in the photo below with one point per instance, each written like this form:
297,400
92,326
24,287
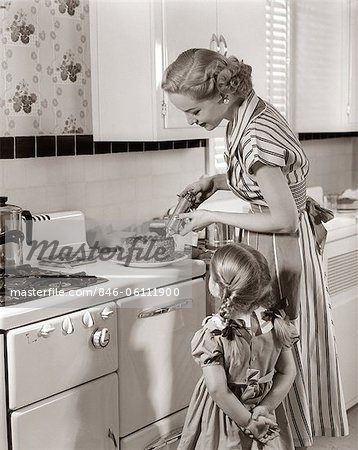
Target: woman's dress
315,404
249,359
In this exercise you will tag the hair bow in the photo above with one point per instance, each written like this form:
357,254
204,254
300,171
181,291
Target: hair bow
270,314
233,327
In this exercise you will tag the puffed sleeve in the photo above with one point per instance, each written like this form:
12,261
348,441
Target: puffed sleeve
207,348
295,337
264,145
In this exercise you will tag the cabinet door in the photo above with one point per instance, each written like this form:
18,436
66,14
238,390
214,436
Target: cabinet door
84,418
320,72
3,432
242,26
345,316
353,66
121,66
186,24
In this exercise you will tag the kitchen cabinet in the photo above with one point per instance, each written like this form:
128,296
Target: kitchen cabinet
133,42
3,426
325,56
353,66
341,266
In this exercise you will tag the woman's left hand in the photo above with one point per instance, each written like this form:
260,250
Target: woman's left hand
196,220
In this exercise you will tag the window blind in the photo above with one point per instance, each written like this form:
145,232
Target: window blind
277,71
277,53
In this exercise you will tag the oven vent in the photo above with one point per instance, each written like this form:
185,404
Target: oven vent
342,272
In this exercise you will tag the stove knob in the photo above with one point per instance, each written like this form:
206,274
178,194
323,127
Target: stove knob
46,330
107,312
87,320
67,326
100,338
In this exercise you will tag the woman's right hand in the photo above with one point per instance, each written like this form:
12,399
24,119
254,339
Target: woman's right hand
203,189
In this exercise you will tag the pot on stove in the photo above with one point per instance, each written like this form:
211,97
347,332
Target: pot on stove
11,234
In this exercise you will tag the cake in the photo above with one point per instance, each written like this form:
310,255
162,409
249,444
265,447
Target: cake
147,248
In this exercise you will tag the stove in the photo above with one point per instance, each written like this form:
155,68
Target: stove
26,283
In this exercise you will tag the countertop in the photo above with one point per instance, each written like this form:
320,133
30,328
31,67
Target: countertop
121,282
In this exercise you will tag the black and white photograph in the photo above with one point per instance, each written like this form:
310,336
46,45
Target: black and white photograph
178,224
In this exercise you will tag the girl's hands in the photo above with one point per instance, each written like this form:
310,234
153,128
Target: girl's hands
262,426
196,220
203,189
263,411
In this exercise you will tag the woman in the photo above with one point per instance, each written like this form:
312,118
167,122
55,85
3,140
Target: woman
267,167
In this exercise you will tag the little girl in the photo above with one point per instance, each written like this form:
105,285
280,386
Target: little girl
245,354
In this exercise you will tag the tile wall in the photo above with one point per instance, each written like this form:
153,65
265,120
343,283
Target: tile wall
333,163
113,190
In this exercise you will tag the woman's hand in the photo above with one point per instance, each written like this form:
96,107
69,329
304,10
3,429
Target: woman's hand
195,220
203,189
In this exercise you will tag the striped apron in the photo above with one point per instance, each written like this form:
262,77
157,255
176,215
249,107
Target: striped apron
315,404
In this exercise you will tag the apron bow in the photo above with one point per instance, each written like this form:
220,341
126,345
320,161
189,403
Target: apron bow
317,216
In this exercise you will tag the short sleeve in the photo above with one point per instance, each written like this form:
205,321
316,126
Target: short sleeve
261,145
207,348
295,337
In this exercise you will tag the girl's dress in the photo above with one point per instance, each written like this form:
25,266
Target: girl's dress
249,359
315,404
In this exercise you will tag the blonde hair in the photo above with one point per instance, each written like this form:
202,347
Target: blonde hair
244,281
203,74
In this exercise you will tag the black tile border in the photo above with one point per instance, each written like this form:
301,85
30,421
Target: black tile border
316,136
45,146
82,144
66,145
136,146
7,148
101,148
119,147
25,147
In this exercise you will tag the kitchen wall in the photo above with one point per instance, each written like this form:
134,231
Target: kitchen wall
114,190
333,163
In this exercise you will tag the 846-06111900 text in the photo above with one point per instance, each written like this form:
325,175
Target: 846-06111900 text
99,291
136,292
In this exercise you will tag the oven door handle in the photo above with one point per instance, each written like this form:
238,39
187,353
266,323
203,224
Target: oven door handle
165,440
163,309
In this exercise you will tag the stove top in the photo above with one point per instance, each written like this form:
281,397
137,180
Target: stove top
26,283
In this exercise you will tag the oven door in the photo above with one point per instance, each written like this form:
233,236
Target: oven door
157,373
83,418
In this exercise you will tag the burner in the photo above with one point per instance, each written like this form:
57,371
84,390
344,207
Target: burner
26,283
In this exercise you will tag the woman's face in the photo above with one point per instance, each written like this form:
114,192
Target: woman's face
206,113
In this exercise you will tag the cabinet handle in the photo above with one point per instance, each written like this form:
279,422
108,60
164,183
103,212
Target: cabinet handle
162,310
222,40
165,440
215,40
